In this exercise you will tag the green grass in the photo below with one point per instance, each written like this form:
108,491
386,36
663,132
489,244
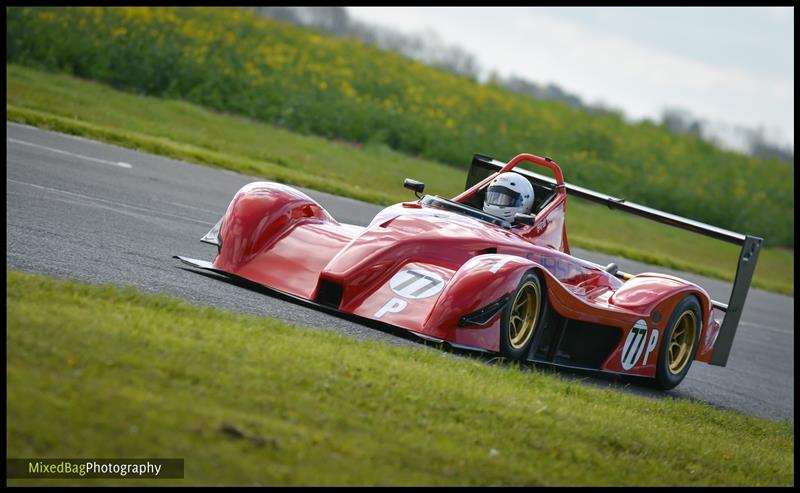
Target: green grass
103,371
372,173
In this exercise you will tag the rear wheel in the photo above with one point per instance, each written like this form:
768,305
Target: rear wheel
679,346
521,317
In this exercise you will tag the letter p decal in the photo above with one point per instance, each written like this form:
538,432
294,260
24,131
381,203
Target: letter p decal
394,305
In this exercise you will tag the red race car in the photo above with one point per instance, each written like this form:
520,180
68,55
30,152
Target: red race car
488,270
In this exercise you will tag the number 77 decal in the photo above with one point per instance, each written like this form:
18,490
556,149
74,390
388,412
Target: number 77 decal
416,283
635,344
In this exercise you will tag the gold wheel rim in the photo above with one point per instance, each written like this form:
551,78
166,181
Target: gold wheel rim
681,342
524,313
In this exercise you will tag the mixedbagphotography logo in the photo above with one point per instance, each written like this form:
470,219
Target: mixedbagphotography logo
94,468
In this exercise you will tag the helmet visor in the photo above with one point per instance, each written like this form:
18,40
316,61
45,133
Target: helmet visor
503,196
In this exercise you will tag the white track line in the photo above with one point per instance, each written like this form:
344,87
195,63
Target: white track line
59,151
767,327
192,207
87,197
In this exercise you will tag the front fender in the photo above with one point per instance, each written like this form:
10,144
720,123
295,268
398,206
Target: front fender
481,281
260,214
655,296
644,291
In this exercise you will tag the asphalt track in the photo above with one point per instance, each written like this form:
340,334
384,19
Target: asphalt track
99,213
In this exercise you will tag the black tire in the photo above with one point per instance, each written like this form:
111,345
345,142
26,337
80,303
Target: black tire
673,367
517,332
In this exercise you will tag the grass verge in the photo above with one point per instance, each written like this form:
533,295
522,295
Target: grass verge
372,173
102,371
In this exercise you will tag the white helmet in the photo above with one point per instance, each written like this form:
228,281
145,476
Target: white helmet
508,194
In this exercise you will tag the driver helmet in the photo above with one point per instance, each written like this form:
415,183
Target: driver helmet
508,194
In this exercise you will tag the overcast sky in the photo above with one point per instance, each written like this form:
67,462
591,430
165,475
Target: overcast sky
729,64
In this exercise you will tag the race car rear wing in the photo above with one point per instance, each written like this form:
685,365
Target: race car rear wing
483,166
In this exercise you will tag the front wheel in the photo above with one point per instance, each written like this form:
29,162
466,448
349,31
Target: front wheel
521,317
679,346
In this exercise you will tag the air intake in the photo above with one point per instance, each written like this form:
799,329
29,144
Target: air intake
329,294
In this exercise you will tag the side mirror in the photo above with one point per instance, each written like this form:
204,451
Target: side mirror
415,186
526,219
